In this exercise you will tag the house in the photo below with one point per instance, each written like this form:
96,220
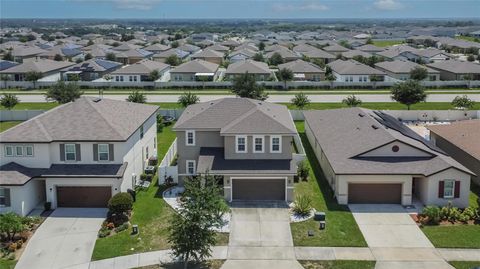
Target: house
241,55
460,140
370,48
335,49
66,53
162,56
126,46
189,48
196,38
353,71
318,54
21,53
195,70
209,55
76,155
232,44
139,71
274,47
457,70
303,48
394,52
220,48
89,70
260,69
43,66
356,53
399,69
370,157
156,48
7,64
287,55
304,70
246,143
132,56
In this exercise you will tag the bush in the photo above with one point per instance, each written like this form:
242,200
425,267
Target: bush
122,227
120,203
104,232
454,214
463,217
302,205
303,170
432,213
470,212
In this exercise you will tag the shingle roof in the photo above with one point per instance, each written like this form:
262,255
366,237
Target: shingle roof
178,52
157,47
457,67
246,52
238,115
21,51
345,134
126,46
300,66
250,66
94,65
219,47
143,67
196,66
394,51
86,119
352,67
370,48
303,48
189,48
463,134
335,48
285,53
352,53
39,65
208,53
402,67
318,53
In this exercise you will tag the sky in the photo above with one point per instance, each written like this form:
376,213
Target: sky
204,9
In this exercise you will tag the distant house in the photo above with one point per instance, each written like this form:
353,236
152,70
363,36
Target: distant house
232,44
304,70
220,48
335,49
189,48
43,66
126,46
90,70
456,70
287,55
156,48
21,53
404,52
195,70
196,38
318,54
274,47
241,55
353,71
209,55
65,52
260,69
401,70
356,53
132,56
162,56
370,48
139,71
303,48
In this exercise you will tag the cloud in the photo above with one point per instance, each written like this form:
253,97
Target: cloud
306,6
387,5
128,4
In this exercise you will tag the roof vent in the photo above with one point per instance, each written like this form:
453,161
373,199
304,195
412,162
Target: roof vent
375,126
361,115
96,100
211,103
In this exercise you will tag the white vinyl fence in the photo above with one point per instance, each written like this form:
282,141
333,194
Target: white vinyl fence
165,169
19,115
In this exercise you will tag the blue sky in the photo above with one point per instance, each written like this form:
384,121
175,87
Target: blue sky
239,9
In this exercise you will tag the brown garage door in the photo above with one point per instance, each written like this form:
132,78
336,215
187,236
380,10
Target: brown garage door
258,189
374,193
83,196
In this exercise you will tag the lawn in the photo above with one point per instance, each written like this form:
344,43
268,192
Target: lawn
7,264
457,236
465,265
387,43
5,125
211,264
468,38
341,229
33,106
338,264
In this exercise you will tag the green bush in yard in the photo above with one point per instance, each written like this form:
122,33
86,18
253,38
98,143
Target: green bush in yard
120,203
104,232
470,212
433,214
303,170
454,214
302,205
463,217
122,227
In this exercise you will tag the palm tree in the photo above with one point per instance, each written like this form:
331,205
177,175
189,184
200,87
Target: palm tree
137,97
285,75
300,100
352,101
188,98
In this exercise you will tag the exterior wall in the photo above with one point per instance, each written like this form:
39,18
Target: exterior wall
41,156
352,78
23,199
227,185
182,76
258,77
215,60
404,151
285,154
314,76
406,76
431,197
343,180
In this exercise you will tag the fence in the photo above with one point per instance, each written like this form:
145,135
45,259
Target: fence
19,115
165,169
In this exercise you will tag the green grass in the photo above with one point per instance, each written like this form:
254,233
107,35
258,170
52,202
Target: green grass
464,265
211,264
341,229
7,264
5,125
474,195
468,38
33,106
338,264
387,43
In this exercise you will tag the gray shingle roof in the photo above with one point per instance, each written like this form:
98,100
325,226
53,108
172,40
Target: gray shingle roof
370,48
318,53
352,67
352,53
237,115
344,134
402,67
86,119
196,66
285,53
300,66
457,67
208,53
143,67
40,65
250,66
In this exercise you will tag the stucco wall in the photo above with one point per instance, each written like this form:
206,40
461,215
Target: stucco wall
41,156
433,182
285,154
404,151
23,199
202,139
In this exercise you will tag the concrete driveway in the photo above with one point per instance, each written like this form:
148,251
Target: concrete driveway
260,237
66,238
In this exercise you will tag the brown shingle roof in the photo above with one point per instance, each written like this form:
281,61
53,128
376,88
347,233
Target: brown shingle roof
463,134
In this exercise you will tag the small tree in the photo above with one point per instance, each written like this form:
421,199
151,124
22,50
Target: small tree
33,76
5,78
137,97
58,58
90,42
300,100
191,231
285,75
120,203
261,46
9,101
110,57
258,57
408,93
64,92
352,101
468,78
463,102
88,56
276,59
188,98
245,85
369,41
154,75
173,60
418,73
8,56
10,225
471,58
375,79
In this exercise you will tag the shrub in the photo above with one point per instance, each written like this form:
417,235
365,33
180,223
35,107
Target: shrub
463,217
470,212
303,170
122,227
432,213
120,203
11,224
104,232
454,214
302,205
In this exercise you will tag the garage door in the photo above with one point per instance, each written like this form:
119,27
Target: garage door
258,189
83,196
374,193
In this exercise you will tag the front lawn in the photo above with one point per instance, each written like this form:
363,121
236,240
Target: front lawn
465,265
7,264
338,264
341,228
5,125
211,264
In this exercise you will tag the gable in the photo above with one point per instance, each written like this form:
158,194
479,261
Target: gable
404,150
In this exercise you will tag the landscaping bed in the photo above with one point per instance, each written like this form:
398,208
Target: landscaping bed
338,264
341,228
211,264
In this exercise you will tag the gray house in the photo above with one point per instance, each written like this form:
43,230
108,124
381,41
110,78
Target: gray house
246,143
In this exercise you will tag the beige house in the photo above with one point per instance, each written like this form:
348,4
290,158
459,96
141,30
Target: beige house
260,69
370,157
195,70
304,70
456,70
400,69
209,55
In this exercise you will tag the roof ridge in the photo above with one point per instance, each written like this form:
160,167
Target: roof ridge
239,119
101,115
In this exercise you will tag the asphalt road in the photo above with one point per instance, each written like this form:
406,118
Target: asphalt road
330,98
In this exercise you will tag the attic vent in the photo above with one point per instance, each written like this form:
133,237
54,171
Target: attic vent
375,126
211,103
96,100
361,115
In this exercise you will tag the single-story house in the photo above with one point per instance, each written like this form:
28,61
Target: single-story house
21,53
162,56
241,55
353,71
126,46
139,71
132,56
287,55
65,52
370,157
304,70
156,48
220,48
195,70
356,53
399,69
44,66
456,70
90,70
209,55
335,49
370,48
260,69
319,55
7,64
189,48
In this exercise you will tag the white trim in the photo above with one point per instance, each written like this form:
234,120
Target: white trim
445,186
254,144
108,152
194,167
187,132
13,151
232,178
279,143
236,143
74,152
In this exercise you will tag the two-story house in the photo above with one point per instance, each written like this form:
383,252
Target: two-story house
247,144
76,155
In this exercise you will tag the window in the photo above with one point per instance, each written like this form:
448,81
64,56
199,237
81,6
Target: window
241,144
155,142
103,152
29,151
276,144
258,144
130,78
191,167
3,198
18,151
449,188
141,132
8,151
190,138
70,152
